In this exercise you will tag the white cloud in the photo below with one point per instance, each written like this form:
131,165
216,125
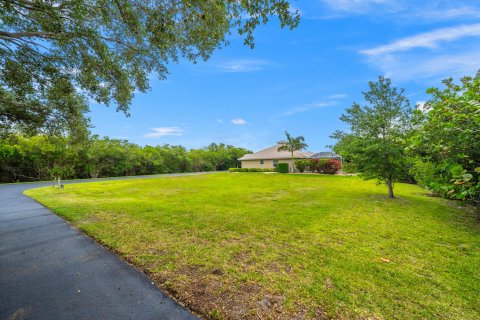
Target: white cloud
364,6
426,40
420,105
457,12
423,106
307,107
411,11
338,96
239,121
165,131
404,67
243,65
430,56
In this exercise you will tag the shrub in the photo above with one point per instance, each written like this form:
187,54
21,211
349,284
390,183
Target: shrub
331,166
252,170
282,167
321,165
449,180
312,164
349,167
301,165
425,173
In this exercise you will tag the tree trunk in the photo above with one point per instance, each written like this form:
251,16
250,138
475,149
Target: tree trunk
390,188
293,164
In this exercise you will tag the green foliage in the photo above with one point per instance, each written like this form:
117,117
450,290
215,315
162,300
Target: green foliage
282,167
215,157
349,167
37,158
425,173
378,134
293,144
330,166
446,139
56,54
301,164
321,164
44,157
313,165
252,170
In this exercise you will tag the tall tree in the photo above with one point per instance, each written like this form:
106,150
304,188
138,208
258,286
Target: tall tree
378,132
293,144
56,54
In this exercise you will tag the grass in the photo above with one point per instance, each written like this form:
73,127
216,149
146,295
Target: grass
248,245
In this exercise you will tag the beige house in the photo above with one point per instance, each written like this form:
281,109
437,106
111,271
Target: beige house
270,157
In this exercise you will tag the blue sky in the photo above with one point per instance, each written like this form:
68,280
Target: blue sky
302,80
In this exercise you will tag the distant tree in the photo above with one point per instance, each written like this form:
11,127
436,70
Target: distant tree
378,133
41,157
57,54
200,160
293,144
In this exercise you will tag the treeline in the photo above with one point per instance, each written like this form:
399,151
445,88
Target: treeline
436,144
44,157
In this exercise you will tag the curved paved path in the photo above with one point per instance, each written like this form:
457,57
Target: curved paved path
49,270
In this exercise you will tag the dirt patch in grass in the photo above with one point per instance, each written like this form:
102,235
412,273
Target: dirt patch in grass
212,294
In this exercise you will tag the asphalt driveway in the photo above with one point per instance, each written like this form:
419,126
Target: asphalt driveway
50,270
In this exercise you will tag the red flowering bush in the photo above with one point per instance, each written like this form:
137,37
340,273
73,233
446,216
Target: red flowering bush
331,166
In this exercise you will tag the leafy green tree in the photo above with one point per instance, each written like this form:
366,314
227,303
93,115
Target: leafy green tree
43,157
293,144
152,161
200,160
37,158
56,54
223,157
446,140
378,133
215,157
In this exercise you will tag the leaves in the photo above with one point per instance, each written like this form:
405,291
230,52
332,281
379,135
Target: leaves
56,54
293,144
378,133
40,157
447,136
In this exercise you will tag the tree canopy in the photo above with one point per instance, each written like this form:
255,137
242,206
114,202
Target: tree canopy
54,55
378,133
43,157
445,146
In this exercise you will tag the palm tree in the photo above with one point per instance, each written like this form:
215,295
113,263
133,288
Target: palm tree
293,144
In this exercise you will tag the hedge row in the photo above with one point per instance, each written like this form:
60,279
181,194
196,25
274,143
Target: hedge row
282,167
330,166
252,170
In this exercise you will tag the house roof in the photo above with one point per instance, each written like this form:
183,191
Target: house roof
325,154
308,153
273,153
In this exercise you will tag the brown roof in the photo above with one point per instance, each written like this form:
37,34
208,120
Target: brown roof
273,153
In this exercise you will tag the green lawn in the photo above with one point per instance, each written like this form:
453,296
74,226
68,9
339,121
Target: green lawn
279,246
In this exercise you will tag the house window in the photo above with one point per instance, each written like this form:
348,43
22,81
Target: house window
261,161
275,163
